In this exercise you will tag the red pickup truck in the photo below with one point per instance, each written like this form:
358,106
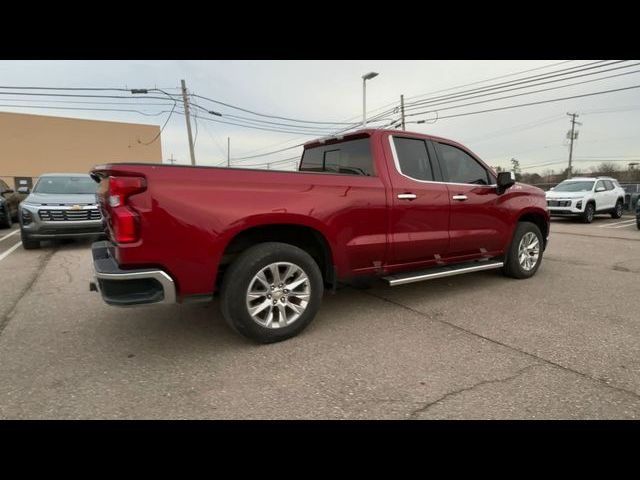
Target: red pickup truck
402,206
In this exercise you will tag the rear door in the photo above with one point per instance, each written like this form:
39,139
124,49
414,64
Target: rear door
478,226
612,195
603,197
419,217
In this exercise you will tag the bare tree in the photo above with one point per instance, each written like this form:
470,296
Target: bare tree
607,168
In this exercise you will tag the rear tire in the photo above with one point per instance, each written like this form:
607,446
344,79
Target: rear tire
617,211
525,255
589,212
27,243
271,324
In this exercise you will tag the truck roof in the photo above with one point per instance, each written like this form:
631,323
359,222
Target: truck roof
370,132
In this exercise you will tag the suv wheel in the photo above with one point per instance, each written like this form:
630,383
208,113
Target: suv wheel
589,212
525,253
271,292
27,243
617,212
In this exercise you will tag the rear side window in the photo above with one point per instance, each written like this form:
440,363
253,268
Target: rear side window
413,158
351,157
608,184
460,167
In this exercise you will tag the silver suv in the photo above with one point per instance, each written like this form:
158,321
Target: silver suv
61,205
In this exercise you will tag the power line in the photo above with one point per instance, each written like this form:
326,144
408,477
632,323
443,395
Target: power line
521,81
88,109
270,116
534,91
539,102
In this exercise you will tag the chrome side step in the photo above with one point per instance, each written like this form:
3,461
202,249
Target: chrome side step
440,272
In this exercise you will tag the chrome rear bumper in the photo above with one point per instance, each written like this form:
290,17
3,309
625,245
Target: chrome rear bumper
128,287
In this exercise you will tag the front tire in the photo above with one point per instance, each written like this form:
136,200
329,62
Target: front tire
255,300
525,253
617,211
589,212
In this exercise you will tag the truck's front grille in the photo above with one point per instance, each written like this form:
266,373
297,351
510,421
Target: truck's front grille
69,215
558,203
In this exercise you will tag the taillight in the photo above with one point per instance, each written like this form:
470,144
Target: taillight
124,219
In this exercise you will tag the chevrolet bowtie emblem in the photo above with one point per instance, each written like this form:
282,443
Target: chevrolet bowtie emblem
76,207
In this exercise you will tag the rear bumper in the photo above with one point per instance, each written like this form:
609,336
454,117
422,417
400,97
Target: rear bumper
128,287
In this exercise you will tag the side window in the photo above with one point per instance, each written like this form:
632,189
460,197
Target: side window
599,184
608,184
459,167
349,157
413,158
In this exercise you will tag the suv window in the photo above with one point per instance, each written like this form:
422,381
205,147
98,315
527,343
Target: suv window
413,158
460,167
600,184
608,184
350,157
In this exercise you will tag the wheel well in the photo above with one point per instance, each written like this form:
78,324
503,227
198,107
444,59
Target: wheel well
539,221
305,238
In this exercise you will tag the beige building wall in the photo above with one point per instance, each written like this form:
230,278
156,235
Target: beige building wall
31,145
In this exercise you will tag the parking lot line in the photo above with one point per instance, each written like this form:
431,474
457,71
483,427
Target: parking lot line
7,236
616,224
629,223
8,252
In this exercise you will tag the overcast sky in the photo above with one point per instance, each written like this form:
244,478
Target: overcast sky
332,91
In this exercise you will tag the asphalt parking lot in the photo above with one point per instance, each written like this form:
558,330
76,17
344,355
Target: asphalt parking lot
564,344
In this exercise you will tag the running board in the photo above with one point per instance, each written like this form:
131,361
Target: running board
440,272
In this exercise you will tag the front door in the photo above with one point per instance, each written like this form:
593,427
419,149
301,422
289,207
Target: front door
478,226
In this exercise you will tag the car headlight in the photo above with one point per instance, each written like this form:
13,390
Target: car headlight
27,218
579,205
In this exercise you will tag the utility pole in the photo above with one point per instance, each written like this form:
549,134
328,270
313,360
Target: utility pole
402,110
228,152
186,116
572,136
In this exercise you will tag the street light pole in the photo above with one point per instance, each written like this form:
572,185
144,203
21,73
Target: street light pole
366,77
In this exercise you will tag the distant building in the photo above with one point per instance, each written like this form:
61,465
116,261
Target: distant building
31,145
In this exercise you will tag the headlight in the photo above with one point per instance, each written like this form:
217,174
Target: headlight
26,217
579,205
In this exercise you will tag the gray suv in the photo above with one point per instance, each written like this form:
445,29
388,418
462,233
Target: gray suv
61,205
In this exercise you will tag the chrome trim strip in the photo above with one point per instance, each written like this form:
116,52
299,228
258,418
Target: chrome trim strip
449,273
397,164
168,287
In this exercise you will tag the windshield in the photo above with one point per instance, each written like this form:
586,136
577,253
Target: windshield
69,185
574,187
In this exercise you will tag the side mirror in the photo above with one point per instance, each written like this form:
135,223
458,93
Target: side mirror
505,180
552,188
23,190
600,189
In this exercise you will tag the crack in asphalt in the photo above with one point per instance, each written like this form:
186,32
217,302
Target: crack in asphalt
510,347
4,320
415,413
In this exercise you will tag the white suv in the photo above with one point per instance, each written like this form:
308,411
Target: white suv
585,196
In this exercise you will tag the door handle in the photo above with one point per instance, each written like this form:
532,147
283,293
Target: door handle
407,196
460,198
